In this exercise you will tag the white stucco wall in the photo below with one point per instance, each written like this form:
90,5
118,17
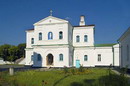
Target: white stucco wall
29,36
106,56
28,57
79,55
55,29
81,31
55,51
116,55
92,52
124,60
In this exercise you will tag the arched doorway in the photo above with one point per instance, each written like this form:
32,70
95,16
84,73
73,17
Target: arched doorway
49,59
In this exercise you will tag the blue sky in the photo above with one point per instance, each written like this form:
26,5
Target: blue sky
111,17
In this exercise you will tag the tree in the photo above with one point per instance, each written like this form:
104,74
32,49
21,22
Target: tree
13,53
4,51
21,48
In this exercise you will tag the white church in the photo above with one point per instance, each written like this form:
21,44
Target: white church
54,42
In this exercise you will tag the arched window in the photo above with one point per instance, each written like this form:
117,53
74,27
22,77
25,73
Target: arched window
60,57
99,57
39,58
85,57
40,36
85,38
60,35
32,41
50,36
127,53
78,38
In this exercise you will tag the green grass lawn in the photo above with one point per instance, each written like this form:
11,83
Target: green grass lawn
93,77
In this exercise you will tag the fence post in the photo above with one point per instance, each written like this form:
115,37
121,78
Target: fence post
11,71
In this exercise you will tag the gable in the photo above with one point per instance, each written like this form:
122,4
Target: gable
50,20
125,34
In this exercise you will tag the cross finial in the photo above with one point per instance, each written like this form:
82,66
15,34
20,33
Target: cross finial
50,12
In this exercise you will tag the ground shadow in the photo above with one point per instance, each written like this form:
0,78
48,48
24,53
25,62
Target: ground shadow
60,80
89,82
76,84
113,80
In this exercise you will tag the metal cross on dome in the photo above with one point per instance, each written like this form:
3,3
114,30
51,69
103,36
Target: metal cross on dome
51,12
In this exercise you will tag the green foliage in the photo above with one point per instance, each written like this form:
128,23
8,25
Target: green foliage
73,71
66,70
11,53
81,69
123,78
123,71
4,51
76,71
21,48
111,79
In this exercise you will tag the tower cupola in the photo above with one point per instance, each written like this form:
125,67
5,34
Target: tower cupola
82,20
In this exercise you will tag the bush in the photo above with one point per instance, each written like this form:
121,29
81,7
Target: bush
73,71
81,69
66,70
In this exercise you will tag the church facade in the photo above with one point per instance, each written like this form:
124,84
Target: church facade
54,42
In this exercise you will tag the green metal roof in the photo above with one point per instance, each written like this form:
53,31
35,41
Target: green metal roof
104,45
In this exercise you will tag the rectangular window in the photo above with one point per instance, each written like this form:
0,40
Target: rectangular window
85,38
99,57
40,36
61,57
85,57
32,40
78,38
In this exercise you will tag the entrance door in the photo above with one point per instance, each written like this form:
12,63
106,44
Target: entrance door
77,63
49,59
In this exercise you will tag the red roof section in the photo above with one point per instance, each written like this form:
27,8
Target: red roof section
30,29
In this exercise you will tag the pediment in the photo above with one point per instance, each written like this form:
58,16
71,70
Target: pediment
50,20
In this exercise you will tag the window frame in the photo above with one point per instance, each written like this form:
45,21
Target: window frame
86,59
99,58
39,57
60,35
85,38
50,38
77,38
40,36
32,40
61,57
